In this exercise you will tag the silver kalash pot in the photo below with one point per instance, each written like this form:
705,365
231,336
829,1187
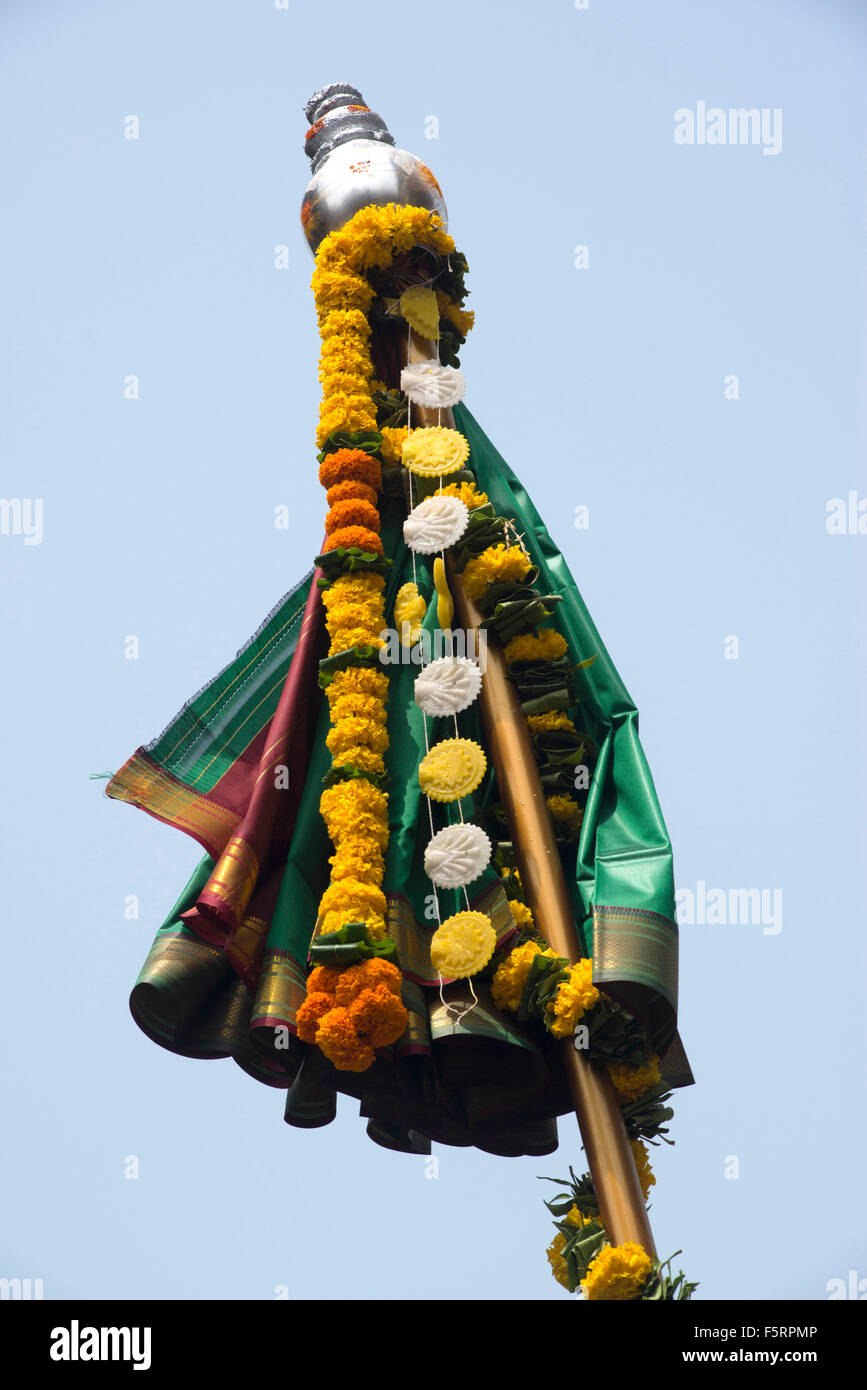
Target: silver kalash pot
355,163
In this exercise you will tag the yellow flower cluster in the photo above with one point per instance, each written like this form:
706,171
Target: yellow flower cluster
335,286
357,738
345,365
463,319
617,1273
357,681
522,914
354,611
642,1165
392,445
566,810
344,412
555,1249
631,1082
556,1260
545,644
499,564
573,997
551,719
375,235
510,977
468,493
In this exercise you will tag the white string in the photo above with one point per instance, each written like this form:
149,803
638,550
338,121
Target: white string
455,1012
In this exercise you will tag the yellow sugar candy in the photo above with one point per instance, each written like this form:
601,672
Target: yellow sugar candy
452,769
445,602
409,611
462,945
435,451
419,307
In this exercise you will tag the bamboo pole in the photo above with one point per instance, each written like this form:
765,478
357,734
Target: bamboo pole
597,1105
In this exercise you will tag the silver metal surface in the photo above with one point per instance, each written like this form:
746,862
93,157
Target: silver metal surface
355,164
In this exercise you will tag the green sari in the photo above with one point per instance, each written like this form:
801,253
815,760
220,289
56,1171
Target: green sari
231,985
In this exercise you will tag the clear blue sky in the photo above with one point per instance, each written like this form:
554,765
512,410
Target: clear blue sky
603,387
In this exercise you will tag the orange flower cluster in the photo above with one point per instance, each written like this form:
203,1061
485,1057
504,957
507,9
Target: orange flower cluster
350,465
349,1013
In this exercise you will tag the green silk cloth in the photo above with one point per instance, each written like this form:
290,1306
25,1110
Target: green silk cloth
485,1079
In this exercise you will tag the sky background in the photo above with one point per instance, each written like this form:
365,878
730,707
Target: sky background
603,387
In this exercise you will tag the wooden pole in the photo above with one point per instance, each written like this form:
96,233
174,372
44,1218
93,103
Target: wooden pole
597,1105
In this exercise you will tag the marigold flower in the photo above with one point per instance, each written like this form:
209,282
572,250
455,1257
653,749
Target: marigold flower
359,859
545,644
646,1176
566,810
313,1009
556,1260
463,319
355,729
345,325
362,585
368,974
339,288
349,354
344,465
573,998
522,914
510,976
365,759
576,1217
356,807
350,896
322,979
351,536
337,1037
353,512
379,1016
631,1082
498,564
360,706
392,444
344,384
353,624
551,719
345,637
374,921
617,1273
467,493
357,680
356,605
350,491
343,412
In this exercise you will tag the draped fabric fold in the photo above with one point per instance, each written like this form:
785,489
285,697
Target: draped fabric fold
240,770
